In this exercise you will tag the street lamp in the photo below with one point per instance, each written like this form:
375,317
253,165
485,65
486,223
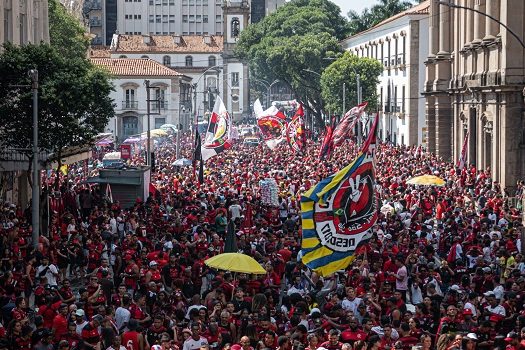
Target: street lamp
217,68
35,204
445,3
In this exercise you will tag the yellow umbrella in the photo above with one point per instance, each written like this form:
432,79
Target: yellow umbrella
155,133
236,262
426,180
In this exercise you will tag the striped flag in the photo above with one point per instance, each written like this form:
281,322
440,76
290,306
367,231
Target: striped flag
462,161
339,212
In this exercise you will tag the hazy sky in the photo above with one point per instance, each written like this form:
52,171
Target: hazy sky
356,5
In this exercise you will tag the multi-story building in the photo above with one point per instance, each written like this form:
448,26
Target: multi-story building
262,8
196,56
100,18
169,92
475,85
400,44
24,21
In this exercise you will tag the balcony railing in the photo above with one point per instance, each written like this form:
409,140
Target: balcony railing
95,22
130,105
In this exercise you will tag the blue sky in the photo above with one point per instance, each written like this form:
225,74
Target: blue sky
356,5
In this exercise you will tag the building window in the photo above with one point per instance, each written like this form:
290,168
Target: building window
130,124
404,48
151,19
172,18
403,99
166,60
160,96
235,79
164,18
159,122
189,61
7,25
204,18
235,27
185,18
192,18
158,18
212,61
130,96
144,56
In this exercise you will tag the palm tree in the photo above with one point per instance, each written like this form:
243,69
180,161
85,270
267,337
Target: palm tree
377,14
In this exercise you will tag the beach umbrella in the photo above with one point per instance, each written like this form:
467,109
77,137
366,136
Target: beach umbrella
182,162
426,180
235,262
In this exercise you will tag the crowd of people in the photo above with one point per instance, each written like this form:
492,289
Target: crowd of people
444,269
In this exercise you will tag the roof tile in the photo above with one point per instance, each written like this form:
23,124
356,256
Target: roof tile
134,67
168,43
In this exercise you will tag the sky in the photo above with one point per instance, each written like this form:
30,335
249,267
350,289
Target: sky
356,5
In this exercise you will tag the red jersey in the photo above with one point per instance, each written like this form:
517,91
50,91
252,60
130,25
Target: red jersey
130,340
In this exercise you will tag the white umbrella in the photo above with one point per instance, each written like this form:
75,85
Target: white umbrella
182,162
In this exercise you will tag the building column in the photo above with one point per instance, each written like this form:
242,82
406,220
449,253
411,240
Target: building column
444,30
433,30
492,27
479,22
469,27
431,123
444,131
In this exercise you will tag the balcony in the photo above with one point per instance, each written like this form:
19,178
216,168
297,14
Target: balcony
97,41
95,22
130,105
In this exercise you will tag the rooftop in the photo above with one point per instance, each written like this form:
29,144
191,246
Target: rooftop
168,43
134,67
420,9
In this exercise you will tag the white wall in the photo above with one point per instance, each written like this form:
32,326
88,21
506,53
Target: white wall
391,123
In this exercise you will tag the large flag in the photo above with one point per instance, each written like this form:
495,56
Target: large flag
462,161
328,143
197,157
218,137
346,126
295,132
339,212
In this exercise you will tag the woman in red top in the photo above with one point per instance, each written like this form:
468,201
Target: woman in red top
19,313
153,274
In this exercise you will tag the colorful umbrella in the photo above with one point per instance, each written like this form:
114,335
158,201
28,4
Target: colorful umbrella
426,180
236,262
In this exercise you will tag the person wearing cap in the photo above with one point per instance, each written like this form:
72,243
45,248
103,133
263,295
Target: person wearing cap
133,339
494,308
513,341
90,334
468,324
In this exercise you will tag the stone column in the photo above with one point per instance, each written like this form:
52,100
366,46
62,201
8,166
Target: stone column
430,109
469,23
444,30
433,30
492,27
443,126
479,22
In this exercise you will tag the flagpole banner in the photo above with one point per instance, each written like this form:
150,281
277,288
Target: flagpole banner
463,156
346,126
295,131
273,130
339,212
218,137
328,143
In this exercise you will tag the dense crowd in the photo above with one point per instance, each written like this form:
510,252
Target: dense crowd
444,269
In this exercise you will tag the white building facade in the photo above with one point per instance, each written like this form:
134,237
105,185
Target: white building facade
24,22
400,44
169,89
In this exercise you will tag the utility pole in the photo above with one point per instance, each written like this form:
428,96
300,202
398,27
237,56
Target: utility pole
359,128
35,204
148,113
179,129
344,100
196,120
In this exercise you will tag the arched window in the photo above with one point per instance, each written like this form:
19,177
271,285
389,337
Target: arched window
212,61
144,56
189,61
123,56
166,60
235,27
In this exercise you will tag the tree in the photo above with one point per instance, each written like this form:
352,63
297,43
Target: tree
344,71
377,14
66,33
73,105
292,41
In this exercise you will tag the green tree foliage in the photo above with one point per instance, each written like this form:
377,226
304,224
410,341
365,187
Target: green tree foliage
344,70
66,33
376,14
73,105
292,41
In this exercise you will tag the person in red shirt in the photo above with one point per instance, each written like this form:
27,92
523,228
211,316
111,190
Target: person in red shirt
19,313
60,324
333,342
72,337
132,339
90,334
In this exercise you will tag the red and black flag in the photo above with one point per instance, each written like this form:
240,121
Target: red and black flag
197,157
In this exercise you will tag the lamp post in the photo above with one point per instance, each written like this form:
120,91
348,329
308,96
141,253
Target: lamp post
35,204
451,5
217,67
